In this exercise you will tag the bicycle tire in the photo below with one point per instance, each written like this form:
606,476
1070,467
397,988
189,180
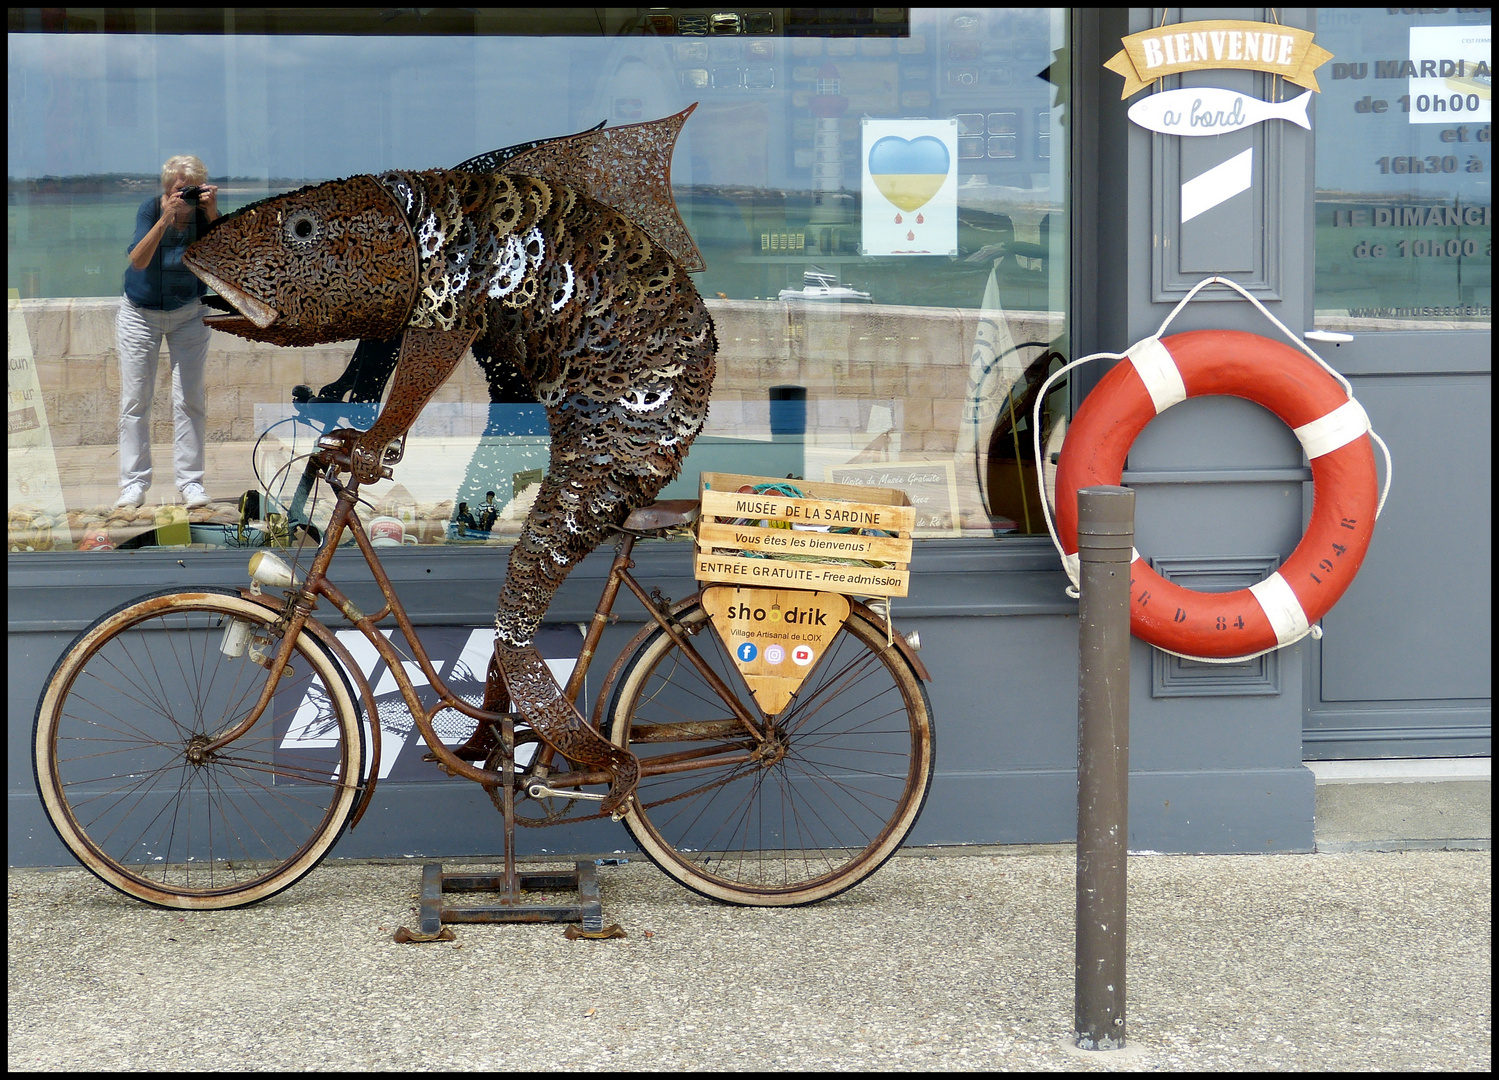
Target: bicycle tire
114,740
814,822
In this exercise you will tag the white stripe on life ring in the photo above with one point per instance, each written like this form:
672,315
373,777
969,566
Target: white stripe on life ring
1281,607
1333,431
1159,373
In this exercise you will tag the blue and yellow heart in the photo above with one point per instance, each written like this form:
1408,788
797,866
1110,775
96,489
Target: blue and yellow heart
909,172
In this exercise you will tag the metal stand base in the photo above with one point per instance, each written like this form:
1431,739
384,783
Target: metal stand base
435,914
511,885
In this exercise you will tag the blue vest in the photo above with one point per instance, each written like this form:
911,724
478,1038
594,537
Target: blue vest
165,284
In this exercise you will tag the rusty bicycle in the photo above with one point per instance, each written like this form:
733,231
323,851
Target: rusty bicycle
206,748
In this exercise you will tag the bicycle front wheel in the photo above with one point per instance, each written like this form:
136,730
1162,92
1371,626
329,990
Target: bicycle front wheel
829,796
120,765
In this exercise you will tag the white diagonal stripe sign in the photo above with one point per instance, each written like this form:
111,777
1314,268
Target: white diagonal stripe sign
1218,184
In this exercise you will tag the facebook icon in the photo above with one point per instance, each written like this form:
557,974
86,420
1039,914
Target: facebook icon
747,651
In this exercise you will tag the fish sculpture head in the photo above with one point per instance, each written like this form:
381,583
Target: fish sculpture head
330,262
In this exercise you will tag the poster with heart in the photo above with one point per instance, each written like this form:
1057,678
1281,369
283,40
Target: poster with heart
910,187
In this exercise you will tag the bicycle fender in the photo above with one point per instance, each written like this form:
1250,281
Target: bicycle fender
629,650
901,644
361,684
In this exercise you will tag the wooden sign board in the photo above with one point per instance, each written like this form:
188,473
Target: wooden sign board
931,486
809,542
1218,43
855,580
716,481
769,539
857,515
776,636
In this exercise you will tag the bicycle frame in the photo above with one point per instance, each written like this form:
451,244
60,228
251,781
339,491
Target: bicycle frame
296,616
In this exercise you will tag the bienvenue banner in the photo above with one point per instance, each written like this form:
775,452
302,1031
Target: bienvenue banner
1218,43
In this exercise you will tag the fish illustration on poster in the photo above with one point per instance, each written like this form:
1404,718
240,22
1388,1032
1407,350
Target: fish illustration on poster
1211,111
910,187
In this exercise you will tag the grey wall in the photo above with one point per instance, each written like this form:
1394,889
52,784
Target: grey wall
999,636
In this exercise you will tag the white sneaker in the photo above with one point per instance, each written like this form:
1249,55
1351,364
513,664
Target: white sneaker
195,496
132,495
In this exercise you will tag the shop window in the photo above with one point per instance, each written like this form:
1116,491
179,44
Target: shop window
909,304
1404,170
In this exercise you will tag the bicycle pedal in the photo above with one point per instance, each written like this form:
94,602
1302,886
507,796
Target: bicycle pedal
430,756
464,752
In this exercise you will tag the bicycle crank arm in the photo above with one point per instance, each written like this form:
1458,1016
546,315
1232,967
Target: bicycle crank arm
538,790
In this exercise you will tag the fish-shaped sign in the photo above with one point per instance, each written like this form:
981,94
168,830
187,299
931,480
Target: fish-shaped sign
1211,111
563,259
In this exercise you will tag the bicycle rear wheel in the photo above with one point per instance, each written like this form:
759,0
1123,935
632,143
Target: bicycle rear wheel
119,766
830,796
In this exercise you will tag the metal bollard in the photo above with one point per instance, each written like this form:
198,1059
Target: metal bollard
1106,533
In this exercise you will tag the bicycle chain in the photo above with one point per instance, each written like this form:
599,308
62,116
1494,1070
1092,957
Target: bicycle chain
498,800
527,823
494,763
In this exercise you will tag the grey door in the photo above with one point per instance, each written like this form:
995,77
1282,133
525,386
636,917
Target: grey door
1403,264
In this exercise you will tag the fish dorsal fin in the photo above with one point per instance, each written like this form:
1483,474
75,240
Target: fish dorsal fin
628,168
495,160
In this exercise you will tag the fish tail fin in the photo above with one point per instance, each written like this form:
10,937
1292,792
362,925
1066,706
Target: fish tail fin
1296,110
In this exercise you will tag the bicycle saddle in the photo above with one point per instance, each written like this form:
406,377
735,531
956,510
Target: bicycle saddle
662,515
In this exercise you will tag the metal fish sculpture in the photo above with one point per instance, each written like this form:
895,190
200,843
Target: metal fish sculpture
1211,111
564,259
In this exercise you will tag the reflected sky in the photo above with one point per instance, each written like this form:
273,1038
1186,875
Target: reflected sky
317,107
314,106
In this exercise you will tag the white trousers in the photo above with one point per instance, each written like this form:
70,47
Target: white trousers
138,336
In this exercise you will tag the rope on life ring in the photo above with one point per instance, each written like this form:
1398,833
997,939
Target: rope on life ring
1313,400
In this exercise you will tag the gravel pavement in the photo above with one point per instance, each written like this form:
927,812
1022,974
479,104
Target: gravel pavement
949,961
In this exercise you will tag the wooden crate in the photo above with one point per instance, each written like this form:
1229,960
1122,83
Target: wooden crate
835,505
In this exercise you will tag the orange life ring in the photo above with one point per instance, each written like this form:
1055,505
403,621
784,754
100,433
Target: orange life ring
1333,430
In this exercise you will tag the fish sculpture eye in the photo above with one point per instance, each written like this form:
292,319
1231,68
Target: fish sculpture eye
302,230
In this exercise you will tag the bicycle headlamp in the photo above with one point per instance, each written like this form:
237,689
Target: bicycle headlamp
269,569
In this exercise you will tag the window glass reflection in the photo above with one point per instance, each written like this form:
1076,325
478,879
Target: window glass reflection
1404,167
915,368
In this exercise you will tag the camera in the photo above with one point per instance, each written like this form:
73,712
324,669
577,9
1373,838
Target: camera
191,194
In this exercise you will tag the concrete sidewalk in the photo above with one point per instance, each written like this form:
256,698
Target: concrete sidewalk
1355,961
